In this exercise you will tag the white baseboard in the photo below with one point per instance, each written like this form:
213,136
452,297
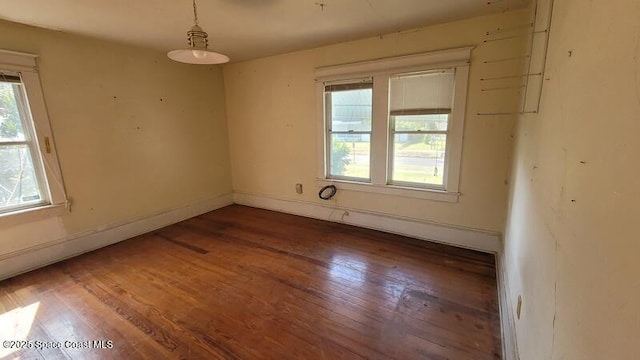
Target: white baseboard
507,319
56,250
457,236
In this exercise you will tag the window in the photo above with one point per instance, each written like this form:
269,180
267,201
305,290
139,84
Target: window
29,172
20,181
419,110
395,125
348,111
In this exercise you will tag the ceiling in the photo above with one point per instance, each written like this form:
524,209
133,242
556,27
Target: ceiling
244,29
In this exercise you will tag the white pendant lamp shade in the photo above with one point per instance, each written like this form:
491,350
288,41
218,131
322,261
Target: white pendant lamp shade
193,56
197,56
198,52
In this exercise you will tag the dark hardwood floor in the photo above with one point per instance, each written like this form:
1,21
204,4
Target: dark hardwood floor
244,283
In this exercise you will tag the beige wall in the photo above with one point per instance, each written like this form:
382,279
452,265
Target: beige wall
271,104
571,242
136,133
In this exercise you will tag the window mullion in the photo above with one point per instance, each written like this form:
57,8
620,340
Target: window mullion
380,130
327,139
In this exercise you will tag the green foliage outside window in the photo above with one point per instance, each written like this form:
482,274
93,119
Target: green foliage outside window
339,157
9,117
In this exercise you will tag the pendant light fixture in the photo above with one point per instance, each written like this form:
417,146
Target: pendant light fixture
198,52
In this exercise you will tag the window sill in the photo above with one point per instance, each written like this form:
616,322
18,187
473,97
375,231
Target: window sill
393,190
33,214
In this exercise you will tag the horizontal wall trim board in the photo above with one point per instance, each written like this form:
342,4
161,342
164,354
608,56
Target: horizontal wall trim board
447,234
421,61
41,255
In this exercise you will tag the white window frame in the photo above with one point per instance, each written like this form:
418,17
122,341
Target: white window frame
40,141
392,132
330,131
381,71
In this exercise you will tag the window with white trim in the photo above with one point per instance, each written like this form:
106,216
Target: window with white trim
419,110
29,171
395,125
348,119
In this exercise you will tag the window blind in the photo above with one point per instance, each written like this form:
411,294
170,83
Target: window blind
425,93
9,77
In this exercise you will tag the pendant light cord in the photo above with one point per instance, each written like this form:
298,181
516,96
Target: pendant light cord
195,13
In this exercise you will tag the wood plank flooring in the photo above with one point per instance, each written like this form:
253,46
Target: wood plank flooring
245,283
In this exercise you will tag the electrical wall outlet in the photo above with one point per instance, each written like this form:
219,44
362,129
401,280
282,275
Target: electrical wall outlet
299,188
519,306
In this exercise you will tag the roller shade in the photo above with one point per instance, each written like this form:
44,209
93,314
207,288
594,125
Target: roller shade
10,77
364,84
422,93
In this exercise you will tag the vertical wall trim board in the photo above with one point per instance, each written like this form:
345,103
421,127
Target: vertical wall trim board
507,317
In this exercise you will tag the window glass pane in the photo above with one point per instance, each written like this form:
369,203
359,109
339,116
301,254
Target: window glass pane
419,158
18,184
10,122
428,90
350,155
422,122
351,110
